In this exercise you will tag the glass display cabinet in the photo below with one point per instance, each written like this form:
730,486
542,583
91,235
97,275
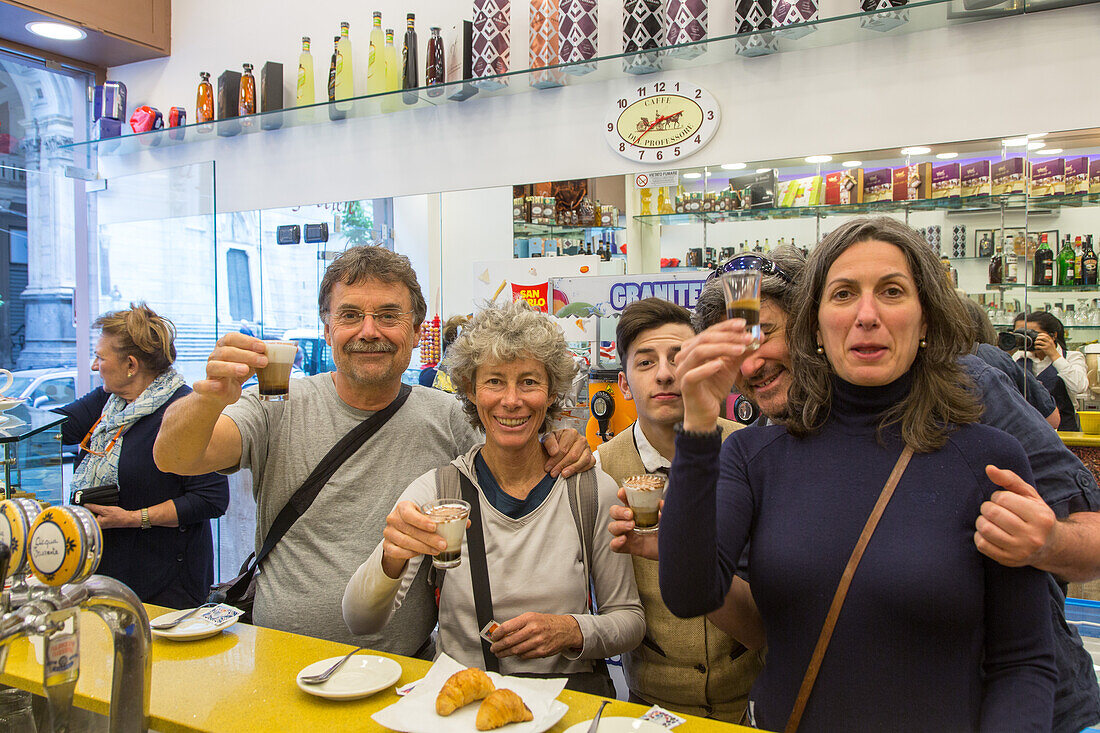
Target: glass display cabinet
31,440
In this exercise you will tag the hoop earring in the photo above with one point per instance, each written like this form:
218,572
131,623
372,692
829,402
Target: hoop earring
923,343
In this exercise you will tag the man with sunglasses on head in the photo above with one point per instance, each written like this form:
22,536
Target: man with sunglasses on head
1054,526
372,308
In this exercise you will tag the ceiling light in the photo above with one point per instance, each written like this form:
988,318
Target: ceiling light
1034,135
916,150
1036,145
946,156
763,170
819,158
56,31
1014,142
732,166
1052,151
852,163
691,176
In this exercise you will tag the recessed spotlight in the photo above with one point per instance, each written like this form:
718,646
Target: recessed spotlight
691,176
946,156
1052,151
56,31
1014,142
732,166
852,163
819,158
1035,135
1036,145
916,150
763,170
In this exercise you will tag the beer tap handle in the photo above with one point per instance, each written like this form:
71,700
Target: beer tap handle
61,664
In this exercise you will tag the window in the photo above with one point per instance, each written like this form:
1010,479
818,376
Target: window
240,285
54,393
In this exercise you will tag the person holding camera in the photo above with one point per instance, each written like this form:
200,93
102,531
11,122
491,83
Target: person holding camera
1043,353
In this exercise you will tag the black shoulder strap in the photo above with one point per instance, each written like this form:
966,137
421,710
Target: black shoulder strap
341,452
479,569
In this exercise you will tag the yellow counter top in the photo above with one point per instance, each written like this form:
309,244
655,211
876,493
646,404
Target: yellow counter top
244,680
1080,440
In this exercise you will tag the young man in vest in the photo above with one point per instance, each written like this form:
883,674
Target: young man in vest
686,665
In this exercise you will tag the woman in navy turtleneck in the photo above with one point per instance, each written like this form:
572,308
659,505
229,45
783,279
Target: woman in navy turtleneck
933,635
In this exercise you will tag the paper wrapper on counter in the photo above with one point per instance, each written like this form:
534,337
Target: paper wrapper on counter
545,44
491,39
686,22
579,35
1048,177
643,31
974,178
881,16
754,16
791,12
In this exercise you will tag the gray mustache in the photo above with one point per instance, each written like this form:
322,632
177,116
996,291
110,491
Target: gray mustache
369,347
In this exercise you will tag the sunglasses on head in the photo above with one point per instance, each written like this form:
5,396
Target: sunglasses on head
750,262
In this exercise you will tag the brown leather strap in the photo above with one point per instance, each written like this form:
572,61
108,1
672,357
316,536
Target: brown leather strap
842,591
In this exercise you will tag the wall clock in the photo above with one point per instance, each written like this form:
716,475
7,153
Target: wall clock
661,122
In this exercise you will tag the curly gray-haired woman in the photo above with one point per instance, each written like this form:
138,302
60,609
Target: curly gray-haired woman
511,367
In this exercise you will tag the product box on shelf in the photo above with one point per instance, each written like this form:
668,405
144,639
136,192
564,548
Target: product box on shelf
946,181
271,94
519,211
1048,177
974,178
609,215
491,42
1094,175
579,34
878,185
801,192
912,182
844,187
759,187
686,23
545,45
1077,175
459,58
1008,176
229,93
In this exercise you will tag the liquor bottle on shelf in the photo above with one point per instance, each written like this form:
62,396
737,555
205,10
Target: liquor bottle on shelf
1078,248
204,99
393,73
410,75
647,199
1067,261
345,79
985,247
305,93
1043,273
996,267
376,65
1010,267
334,113
1089,263
664,206
436,71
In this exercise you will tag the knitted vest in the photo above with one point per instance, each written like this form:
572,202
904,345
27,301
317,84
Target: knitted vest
686,665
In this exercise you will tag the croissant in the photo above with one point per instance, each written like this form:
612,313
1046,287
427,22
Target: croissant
462,688
502,707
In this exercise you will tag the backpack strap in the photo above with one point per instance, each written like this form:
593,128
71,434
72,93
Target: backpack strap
447,486
585,506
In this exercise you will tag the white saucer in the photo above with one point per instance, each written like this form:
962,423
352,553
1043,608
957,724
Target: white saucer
618,725
193,628
362,675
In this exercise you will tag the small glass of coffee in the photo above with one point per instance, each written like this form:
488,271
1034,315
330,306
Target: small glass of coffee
449,516
274,378
643,496
742,291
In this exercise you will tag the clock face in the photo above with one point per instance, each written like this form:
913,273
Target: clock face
661,122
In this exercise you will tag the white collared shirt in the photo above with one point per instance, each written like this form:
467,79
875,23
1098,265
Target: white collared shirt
1071,368
651,459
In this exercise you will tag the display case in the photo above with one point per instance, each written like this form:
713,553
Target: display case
31,441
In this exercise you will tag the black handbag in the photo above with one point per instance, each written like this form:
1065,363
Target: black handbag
240,592
105,495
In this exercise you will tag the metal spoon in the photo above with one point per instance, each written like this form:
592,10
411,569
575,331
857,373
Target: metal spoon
316,679
162,625
596,721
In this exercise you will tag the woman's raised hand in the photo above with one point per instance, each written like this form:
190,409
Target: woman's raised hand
706,368
1045,345
408,533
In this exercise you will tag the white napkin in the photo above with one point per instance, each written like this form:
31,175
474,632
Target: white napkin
415,712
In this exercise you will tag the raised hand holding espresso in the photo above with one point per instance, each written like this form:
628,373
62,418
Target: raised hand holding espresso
274,378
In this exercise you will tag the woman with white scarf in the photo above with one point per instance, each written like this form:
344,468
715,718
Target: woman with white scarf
157,539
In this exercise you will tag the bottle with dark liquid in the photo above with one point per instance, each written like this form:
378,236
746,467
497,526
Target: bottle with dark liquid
204,101
436,72
1044,263
410,78
996,267
1088,263
334,65
247,99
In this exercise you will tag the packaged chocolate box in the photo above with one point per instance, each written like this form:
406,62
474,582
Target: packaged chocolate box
946,181
878,185
1094,175
1048,177
912,182
1077,175
1008,176
974,178
761,186
844,187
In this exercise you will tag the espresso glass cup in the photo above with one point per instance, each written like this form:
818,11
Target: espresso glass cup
450,517
643,496
274,378
742,291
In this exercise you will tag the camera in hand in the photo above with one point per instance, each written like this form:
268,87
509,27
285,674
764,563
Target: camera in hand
1021,338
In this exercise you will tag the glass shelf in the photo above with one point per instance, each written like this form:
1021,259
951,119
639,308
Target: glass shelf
955,204
524,229
1045,288
832,31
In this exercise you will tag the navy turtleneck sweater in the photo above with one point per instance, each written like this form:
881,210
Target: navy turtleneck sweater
933,635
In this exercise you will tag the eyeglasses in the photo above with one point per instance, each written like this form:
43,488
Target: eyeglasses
85,445
751,262
354,318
